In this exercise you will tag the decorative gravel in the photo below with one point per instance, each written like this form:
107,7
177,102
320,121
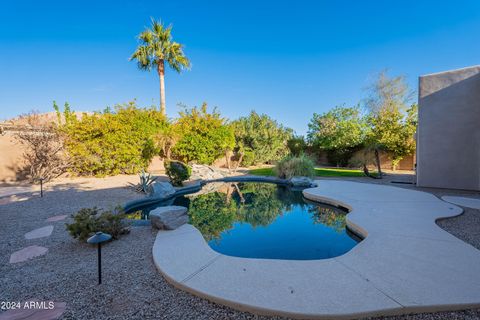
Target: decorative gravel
132,287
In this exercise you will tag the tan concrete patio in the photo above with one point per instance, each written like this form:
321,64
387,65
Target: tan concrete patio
405,264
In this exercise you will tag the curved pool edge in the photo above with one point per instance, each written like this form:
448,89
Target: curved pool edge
383,275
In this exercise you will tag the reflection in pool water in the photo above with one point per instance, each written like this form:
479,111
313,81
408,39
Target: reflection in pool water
262,220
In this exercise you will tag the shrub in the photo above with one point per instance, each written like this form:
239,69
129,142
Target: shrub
112,142
146,179
44,156
260,139
205,136
177,172
297,145
88,221
292,166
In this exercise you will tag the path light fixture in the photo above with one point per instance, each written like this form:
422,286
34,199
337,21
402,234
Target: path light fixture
41,187
98,238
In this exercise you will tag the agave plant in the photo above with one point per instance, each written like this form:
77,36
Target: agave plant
146,179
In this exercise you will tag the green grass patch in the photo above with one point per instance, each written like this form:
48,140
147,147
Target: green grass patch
319,172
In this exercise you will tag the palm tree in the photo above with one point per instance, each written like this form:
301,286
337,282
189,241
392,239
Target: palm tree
156,47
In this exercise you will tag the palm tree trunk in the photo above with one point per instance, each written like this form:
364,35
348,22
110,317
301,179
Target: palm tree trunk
161,74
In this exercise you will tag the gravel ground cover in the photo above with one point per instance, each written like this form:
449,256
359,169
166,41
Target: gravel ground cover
132,287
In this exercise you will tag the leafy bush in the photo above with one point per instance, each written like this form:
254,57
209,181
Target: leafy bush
112,142
88,221
166,139
177,171
340,132
205,136
297,145
260,139
146,179
292,166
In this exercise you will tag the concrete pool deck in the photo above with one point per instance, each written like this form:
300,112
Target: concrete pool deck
406,263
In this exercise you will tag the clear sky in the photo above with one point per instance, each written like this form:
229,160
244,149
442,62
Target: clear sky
288,59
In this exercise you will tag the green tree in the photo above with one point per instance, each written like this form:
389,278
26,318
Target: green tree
260,139
297,145
112,142
205,136
393,131
156,47
339,131
392,123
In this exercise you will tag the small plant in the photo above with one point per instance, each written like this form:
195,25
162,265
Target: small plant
146,179
177,172
292,166
88,221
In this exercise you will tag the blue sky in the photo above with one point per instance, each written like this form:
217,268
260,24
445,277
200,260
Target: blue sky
288,59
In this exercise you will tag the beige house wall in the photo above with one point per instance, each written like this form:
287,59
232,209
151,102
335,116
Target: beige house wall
10,158
448,133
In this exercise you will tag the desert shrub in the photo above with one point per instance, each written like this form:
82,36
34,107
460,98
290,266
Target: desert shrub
44,155
88,221
112,142
177,171
292,166
297,145
205,136
260,139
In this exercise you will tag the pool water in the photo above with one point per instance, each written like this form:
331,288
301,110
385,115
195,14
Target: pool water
263,220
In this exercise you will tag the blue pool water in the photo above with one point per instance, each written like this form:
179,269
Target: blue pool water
262,220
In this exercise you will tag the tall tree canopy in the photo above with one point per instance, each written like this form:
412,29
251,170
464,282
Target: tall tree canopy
260,139
339,132
392,121
157,47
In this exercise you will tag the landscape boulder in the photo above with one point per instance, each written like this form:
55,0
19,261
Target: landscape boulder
161,189
204,172
302,182
169,217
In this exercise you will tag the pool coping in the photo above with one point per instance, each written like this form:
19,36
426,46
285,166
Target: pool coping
405,264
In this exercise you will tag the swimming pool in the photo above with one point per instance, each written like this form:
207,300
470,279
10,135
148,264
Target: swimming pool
264,220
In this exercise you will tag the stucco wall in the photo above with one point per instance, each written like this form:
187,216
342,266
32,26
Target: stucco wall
448,133
10,157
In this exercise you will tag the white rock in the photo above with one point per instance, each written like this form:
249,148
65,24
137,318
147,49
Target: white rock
169,217
161,189
204,172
